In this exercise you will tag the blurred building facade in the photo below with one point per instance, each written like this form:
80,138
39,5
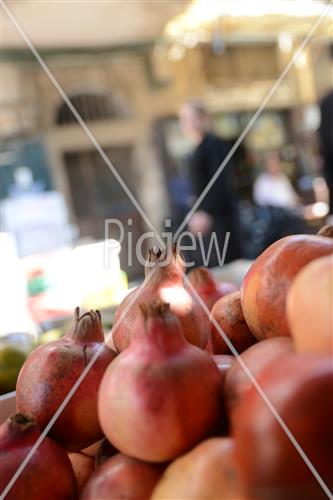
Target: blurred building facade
129,95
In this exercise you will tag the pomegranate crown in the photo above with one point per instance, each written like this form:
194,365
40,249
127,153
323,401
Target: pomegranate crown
169,259
160,327
21,423
326,231
87,327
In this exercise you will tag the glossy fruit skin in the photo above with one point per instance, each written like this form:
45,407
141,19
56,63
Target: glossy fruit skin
206,472
48,474
301,390
228,313
50,372
224,362
122,477
256,358
165,283
265,286
310,307
209,289
162,395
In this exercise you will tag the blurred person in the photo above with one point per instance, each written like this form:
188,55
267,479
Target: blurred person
273,187
326,138
277,211
217,212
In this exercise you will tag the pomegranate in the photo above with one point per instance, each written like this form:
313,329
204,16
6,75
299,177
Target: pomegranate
256,358
51,370
300,387
208,287
83,467
206,472
48,473
122,477
265,286
166,284
162,395
104,452
310,307
228,313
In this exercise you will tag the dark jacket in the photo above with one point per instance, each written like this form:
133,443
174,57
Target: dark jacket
326,137
220,201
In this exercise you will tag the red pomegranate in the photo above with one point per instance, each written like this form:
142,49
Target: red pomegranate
48,473
265,286
50,372
124,478
209,289
166,284
162,395
228,314
256,358
300,388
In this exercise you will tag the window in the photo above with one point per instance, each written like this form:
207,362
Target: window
91,107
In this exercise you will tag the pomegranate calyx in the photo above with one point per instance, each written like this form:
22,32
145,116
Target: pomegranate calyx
21,425
161,327
154,254
87,327
326,231
22,421
169,262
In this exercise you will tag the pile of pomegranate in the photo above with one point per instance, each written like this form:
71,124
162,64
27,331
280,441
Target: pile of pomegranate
200,391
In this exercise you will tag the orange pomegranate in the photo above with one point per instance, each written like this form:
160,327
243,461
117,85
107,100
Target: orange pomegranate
206,472
228,314
265,286
310,307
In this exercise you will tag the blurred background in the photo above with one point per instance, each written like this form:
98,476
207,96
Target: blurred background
127,68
